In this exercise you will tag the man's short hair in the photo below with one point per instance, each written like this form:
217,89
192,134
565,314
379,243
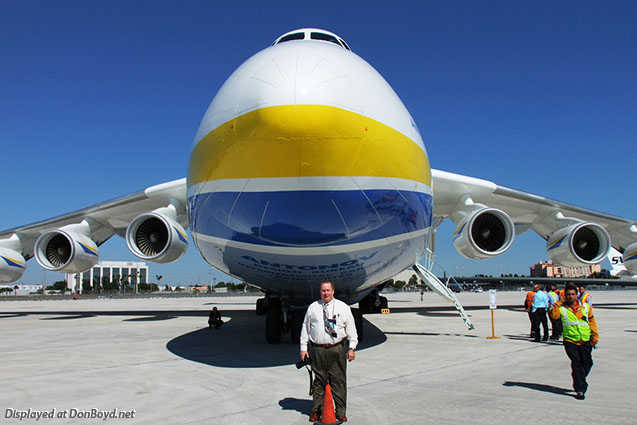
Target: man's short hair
328,281
570,286
581,285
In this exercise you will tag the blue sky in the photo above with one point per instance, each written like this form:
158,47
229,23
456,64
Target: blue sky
101,99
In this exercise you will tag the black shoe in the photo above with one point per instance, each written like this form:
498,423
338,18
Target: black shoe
545,339
580,396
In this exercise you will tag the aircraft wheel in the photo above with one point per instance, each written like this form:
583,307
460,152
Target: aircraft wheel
383,302
358,321
273,326
261,310
366,305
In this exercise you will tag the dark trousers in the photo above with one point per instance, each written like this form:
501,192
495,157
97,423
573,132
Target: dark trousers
581,364
539,316
215,322
556,325
330,367
531,320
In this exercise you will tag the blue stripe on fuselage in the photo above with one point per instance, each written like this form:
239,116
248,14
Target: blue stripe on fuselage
309,218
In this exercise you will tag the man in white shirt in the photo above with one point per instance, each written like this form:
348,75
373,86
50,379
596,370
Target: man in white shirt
327,328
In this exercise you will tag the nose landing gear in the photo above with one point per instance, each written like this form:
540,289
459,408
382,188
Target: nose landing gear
280,318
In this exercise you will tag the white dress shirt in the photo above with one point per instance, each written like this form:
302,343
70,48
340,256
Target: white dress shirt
313,329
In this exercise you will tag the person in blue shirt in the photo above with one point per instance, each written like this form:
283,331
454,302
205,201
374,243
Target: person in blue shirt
538,310
556,324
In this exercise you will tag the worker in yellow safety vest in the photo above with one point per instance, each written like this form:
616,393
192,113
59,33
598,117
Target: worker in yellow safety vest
580,336
584,296
556,324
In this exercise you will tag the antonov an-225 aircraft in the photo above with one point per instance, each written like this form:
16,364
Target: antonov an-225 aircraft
308,167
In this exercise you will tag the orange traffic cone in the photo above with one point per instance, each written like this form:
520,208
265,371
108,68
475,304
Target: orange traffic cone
329,416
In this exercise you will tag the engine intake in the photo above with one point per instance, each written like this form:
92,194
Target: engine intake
155,237
12,265
630,258
66,251
484,234
577,244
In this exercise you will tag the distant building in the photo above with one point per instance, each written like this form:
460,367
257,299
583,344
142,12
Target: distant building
9,289
550,269
130,272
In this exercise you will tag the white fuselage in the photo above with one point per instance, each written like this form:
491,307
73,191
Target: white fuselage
308,167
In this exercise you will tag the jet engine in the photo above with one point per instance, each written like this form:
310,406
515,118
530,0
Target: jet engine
630,258
156,237
577,244
66,251
484,233
12,265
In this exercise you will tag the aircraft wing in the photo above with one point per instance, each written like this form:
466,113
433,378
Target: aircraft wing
102,220
462,198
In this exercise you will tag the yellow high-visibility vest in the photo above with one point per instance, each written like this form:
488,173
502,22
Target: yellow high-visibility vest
575,329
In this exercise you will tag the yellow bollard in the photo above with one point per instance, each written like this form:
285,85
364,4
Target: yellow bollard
492,328
492,305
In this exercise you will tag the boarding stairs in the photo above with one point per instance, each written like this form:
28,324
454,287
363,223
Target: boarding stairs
432,281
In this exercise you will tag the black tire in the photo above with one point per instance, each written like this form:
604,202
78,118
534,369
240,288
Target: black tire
261,311
366,305
296,325
383,302
273,326
358,322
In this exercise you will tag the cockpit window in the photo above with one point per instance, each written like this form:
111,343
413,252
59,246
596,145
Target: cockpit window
312,34
324,37
344,44
290,37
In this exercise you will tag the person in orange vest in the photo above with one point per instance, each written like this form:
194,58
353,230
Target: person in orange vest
528,304
584,296
580,336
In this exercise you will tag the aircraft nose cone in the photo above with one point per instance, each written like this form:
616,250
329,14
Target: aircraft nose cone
291,151
318,74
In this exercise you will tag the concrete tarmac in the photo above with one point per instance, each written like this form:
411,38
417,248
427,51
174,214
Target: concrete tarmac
155,361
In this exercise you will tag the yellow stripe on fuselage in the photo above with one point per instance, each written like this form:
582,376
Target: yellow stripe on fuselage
306,141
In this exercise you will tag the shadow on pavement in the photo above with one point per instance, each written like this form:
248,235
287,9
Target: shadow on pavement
151,318
539,387
240,343
300,405
9,315
432,334
526,337
439,314
70,317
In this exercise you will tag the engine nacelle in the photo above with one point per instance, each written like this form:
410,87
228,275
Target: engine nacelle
577,244
484,234
12,265
156,237
630,258
66,251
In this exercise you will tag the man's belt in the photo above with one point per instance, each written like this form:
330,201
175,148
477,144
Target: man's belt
336,344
